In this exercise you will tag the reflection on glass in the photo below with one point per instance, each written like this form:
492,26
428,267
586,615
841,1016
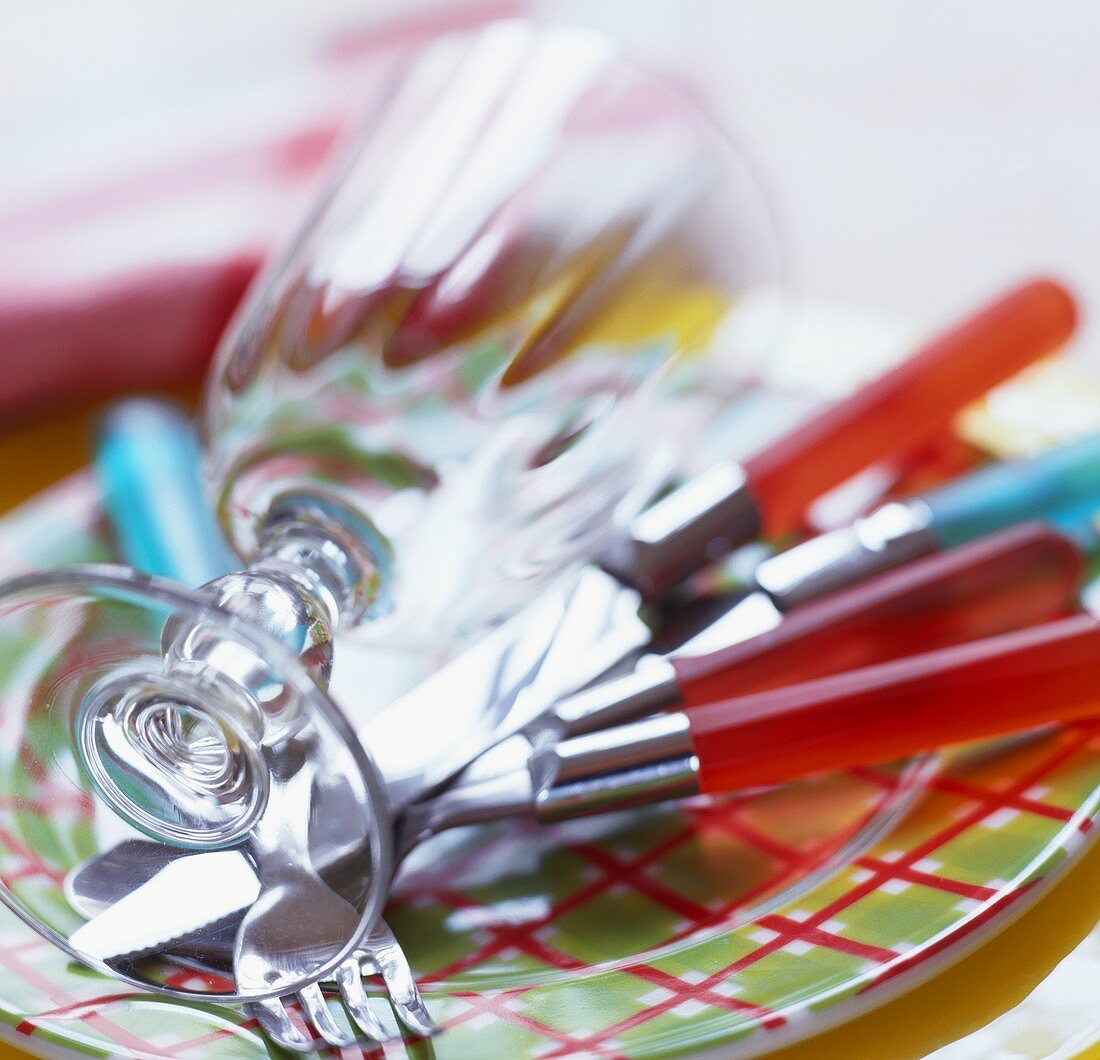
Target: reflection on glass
473,336
119,724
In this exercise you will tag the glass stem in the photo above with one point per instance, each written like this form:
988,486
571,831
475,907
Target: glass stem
319,566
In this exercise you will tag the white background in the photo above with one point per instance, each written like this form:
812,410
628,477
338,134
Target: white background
920,154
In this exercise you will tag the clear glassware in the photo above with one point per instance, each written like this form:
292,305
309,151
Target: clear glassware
474,339
449,391
132,709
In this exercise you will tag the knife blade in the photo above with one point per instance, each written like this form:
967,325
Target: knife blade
558,644
171,905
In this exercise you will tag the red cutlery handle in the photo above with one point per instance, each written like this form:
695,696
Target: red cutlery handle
992,687
909,404
1018,577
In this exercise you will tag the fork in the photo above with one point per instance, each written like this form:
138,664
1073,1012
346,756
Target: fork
381,955
298,919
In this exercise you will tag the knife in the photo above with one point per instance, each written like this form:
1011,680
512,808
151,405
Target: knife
990,688
160,911
1024,575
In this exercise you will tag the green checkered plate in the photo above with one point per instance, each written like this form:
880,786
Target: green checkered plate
713,926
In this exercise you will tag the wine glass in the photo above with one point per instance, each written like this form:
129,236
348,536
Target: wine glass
451,388
475,341
132,708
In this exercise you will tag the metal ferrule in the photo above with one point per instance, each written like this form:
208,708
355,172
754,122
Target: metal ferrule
650,688
893,534
700,522
643,762
673,778
609,750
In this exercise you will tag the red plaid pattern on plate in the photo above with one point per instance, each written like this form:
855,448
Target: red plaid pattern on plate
734,924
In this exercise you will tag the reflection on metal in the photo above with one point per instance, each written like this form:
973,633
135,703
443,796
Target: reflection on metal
680,533
894,534
557,645
647,689
674,778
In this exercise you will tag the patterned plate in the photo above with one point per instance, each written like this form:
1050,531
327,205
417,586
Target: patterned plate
753,920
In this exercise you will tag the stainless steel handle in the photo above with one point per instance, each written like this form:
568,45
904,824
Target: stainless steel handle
893,534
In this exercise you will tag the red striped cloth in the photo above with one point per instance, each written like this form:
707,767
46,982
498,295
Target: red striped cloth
126,282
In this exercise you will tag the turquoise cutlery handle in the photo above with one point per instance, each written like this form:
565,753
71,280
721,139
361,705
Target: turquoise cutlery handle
1061,486
150,468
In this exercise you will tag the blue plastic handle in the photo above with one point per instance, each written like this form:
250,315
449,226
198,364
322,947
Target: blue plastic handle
1061,486
150,468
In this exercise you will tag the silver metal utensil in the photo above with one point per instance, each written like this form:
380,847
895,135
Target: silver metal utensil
93,892
560,643
380,956
298,920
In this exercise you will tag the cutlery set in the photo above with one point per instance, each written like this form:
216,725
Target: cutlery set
521,724
434,425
